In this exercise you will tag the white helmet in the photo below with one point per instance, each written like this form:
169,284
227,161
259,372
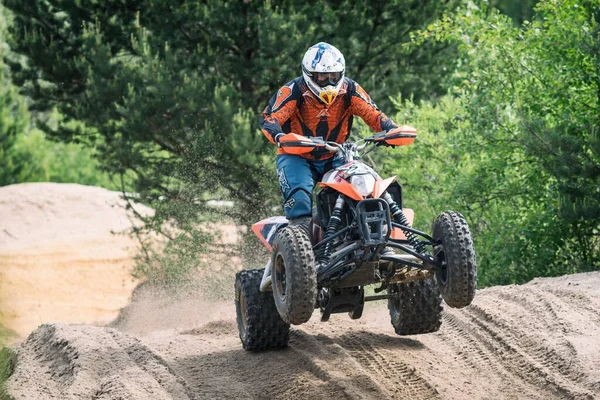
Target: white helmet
323,69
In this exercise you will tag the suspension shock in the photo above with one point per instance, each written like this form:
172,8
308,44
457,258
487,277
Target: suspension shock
400,218
334,224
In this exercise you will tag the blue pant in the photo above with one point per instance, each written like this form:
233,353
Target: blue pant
297,177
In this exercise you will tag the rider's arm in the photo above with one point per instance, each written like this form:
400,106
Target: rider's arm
362,105
280,109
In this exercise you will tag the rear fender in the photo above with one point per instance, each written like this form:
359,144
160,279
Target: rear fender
267,228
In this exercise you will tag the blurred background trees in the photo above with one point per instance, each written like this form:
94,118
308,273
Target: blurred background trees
26,153
166,96
522,137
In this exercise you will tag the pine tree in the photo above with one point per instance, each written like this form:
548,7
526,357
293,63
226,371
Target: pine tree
172,90
13,121
169,92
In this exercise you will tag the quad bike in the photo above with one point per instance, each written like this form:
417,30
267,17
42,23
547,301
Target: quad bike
359,235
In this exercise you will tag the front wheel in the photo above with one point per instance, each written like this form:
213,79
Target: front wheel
293,275
457,278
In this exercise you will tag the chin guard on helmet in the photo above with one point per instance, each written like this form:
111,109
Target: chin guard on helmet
328,96
323,68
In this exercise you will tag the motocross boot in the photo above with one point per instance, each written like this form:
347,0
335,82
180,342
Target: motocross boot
305,223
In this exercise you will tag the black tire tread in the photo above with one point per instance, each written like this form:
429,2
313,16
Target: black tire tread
452,229
301,277
418,309
265,328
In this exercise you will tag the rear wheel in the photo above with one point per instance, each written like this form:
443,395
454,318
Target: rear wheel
457,278
416,307
258,321
293,276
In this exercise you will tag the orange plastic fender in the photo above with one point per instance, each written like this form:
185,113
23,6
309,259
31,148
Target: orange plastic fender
381,186
345,188
266,229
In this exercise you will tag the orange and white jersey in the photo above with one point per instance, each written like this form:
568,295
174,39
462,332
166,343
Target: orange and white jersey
294,108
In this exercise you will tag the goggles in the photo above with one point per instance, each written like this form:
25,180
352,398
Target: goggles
323,79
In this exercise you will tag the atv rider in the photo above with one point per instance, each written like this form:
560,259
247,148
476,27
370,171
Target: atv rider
320,103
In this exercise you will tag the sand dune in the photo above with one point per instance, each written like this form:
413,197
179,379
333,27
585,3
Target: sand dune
64,256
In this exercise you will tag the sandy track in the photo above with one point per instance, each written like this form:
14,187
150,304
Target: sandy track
536,341
59,262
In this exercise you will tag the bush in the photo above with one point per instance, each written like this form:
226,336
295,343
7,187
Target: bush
516,148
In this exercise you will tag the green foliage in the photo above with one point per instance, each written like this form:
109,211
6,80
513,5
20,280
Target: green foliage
518,10
430,169
13,118
8,360
446,170
48,161
526,167
170,92
12,122
26,155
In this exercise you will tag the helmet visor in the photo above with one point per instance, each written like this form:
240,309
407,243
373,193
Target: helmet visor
326,78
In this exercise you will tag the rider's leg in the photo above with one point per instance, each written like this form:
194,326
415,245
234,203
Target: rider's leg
321,167
296,183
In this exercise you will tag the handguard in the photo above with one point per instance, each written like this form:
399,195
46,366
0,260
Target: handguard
292,143
401,136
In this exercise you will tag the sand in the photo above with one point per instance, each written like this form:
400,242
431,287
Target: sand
64,255
540,340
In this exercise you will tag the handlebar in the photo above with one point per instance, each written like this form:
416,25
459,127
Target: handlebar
334,146
299,144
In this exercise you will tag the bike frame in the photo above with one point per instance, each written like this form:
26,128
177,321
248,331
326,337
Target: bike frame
371,228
